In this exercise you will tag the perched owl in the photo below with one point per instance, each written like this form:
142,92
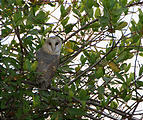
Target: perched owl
48,60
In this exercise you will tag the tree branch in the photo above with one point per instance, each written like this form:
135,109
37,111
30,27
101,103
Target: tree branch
21,48
133,4
82,27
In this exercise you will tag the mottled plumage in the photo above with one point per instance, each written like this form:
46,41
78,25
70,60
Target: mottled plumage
48,60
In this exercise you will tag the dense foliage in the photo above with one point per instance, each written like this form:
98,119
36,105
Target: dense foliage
100,73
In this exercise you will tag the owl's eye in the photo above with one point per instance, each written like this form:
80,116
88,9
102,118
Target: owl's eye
49,43
57,43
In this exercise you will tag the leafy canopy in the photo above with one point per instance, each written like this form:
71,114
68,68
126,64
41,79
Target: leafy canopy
96,75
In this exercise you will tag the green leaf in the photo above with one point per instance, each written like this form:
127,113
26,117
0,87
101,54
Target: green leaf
26,106
101,90
119,76
68,28
25,11
18,18
108,4
63,11
113,104
99,72
89,3
33,32
40,17
103,21
127,68
86,54
89,12
141,54
83,95
136,39
124,56
83,60
96,4
76,112
27,65
114,66
36,100
123,2
77,68
83,104
19,2
34,66
19,113
107,79
10,61
6,31
77,12
128,97
97,13
121,25
71,94
95,26
123,94
130,79
141,70
27,40
65,21
66,89
88,7
140,83
111,55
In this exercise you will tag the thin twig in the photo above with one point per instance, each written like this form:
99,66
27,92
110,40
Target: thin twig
134,4
21,48
82,27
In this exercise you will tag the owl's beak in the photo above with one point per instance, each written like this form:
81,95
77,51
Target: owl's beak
53,48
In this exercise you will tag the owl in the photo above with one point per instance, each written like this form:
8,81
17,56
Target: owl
48,59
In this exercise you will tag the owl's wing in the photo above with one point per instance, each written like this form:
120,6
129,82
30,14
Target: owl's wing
47,65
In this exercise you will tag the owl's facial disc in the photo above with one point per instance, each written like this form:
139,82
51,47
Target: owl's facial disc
53,45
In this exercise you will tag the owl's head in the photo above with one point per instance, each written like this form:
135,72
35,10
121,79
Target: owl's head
53,45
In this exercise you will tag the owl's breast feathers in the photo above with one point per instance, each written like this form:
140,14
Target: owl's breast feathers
47,65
